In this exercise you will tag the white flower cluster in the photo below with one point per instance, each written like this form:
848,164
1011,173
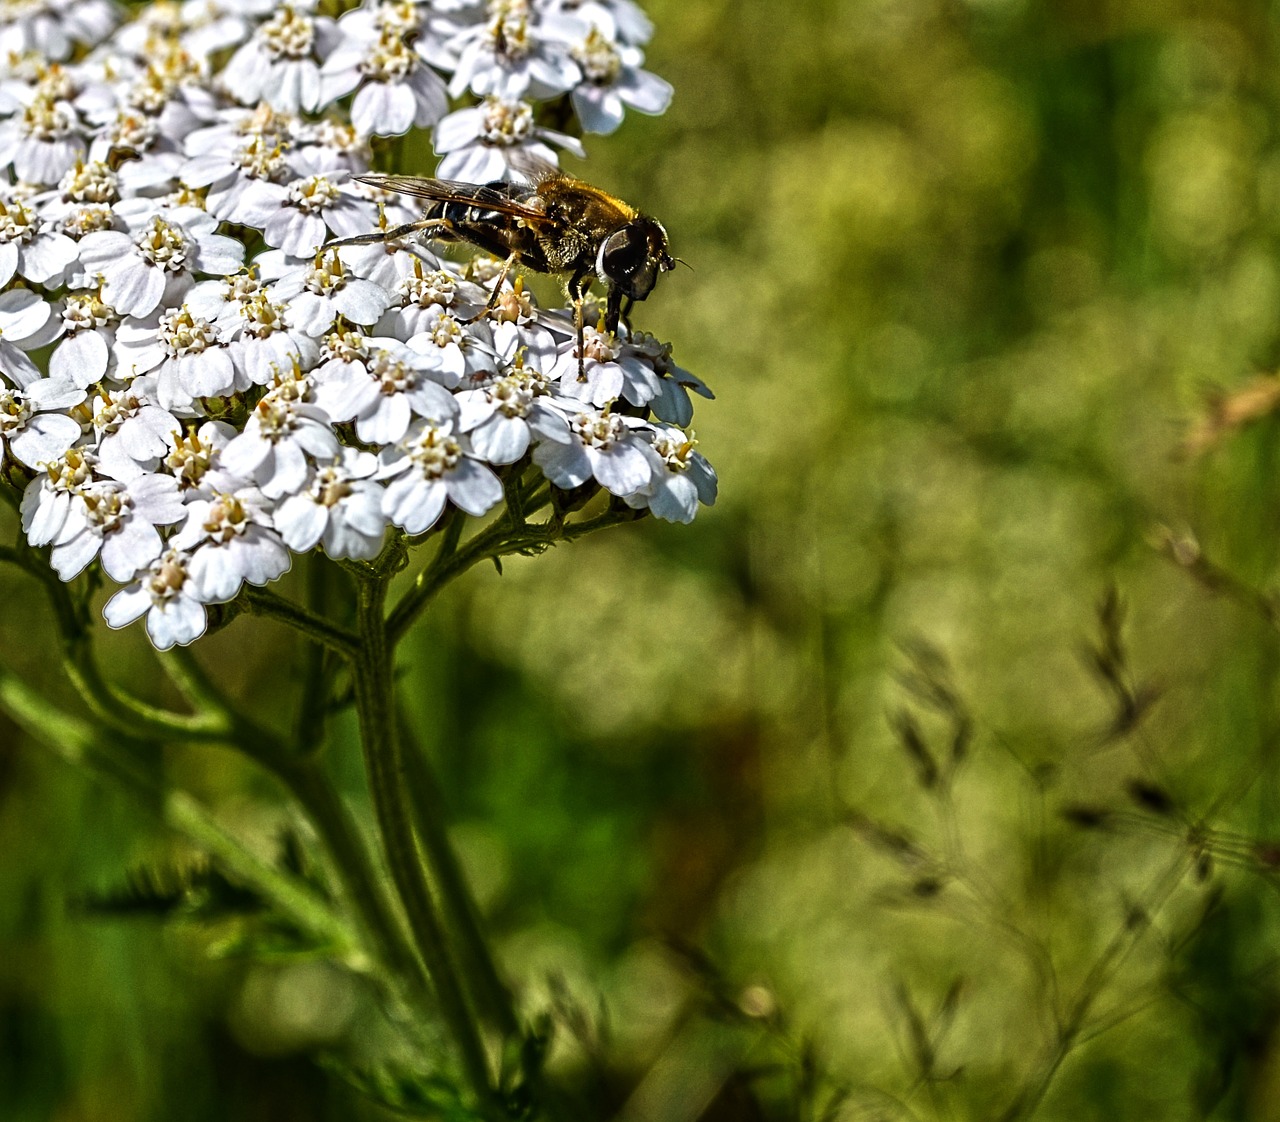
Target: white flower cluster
216,389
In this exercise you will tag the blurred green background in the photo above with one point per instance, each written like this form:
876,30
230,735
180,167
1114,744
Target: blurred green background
853,759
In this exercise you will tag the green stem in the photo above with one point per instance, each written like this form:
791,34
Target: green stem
497,540
427,808
76,742
304,778
385,766
313,626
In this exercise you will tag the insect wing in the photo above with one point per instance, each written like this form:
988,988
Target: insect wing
482,197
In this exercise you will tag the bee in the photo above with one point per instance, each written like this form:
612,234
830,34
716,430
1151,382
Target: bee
552,224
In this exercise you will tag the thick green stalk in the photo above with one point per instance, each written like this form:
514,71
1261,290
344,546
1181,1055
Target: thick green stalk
375,708
427,805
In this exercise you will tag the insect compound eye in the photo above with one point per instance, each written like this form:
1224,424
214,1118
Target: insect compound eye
626,260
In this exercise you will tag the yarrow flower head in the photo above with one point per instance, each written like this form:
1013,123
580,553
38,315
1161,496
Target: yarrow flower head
220,347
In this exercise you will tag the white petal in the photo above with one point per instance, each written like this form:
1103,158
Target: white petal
621,468
181,620
81,357
126,606
473,487
301,522
501,440
566,465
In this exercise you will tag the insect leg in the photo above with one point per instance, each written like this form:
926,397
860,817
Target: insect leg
495,292
613,309
577,325
421,225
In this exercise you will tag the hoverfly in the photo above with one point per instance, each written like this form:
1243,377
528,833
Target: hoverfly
552,224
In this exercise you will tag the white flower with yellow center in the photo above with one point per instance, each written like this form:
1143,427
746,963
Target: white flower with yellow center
485,142
156,263
235,179
431,466
310,209
132,432
340,507
612,82
610,369
184,351
281,63
262,342
450,347
42,140
33,429
382,390
47,498
117,520
397,89
231,539
504,417
31,247
682,478
281,432
520,50
164,594
84,354
602,445
318,293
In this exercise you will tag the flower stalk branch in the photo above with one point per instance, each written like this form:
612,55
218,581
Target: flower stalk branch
384,764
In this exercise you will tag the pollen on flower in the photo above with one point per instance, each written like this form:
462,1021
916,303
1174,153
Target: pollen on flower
392,375
186,334
287,34
84,311
72,470
161,79
132,132
314,193
56,82
330,486
276,417
290,384
326,277
599,345
435,452
599,59
164,244
598,430
675,449
506,123
428,289
88,220
345,345
399,16
113,408
106,508
262,317
190,459
226,518
93,182
447,331
389,59
242,287
46,119
15,411
508,30
515,305
167,576
17,222
260,159
512,395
